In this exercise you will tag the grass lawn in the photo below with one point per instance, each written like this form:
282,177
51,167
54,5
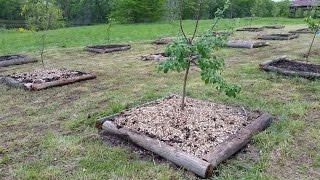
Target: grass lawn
50,134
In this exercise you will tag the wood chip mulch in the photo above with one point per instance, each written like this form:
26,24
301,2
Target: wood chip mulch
197,130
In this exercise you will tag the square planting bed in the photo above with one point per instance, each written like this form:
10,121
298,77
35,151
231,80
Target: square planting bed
163,41
46,78
15,60
155,57
197,139
246,44
108,48
289,67
274,26
279,36
251,29
302,31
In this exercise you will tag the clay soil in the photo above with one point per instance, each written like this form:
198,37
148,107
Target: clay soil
45,75
197,130
10,57
296,66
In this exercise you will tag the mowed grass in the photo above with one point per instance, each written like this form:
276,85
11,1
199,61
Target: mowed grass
50,134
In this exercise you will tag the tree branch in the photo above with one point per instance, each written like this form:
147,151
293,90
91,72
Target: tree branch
198,19
181,25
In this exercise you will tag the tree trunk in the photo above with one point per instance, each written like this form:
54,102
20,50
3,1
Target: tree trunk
314,37
183,104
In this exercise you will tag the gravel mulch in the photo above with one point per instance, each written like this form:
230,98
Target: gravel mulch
197,130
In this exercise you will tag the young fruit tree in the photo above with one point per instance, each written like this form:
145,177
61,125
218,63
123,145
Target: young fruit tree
314,25
199,51
41,16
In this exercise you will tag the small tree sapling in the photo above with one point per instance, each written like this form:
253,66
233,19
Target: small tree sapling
108,29
185,52
314,25
42,15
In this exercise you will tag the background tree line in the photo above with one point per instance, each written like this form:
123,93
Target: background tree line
84,12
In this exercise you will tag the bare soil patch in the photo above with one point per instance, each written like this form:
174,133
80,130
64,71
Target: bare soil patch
302,31
279,36
294,68
108,48
246,44
251,29
155,57
45,78
15,60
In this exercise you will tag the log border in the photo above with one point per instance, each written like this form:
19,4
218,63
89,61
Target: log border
268,67
18,61
278,37
37,87
300,31
204,166
123,47
251,29
274,26
246,44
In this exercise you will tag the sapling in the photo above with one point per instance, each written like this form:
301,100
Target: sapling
108,29
185,52
42,15
314,26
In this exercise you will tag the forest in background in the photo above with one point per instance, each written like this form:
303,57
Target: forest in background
86,12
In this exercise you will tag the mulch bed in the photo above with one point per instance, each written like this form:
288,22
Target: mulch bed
155,57
108,48
251,29
46,78
302,31
274,26
205,133
163,41
246,44
9,60
279,36
289,67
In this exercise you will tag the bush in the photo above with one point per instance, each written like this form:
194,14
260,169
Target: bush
136,11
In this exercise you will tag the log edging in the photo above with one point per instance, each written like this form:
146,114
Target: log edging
267,67
123,47
246,44
278,37
37,87
18,61
251,29
274,26
301,31
204,166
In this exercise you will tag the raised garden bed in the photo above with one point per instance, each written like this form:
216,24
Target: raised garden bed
155,57
163,41
108,48
198,138
274,26
302,31
15,60
46,78
279,36
251,29
246,44
222,33
289,67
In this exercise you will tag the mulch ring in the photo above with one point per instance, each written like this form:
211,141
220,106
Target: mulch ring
202,135
289,67
155,57
163,41
251,29
15,60
246,43
279,36
274,26
108,48
302,31
46,78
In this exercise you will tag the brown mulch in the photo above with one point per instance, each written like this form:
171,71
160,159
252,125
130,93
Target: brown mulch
45,75
197,130
10,57
297,66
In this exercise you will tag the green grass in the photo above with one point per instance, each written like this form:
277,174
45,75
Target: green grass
50,134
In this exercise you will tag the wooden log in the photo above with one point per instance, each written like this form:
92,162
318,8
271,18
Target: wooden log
302,31
60,82
18,61
189,162
12,82
108,50
274,26
251,29
234,144
246,44
278,37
